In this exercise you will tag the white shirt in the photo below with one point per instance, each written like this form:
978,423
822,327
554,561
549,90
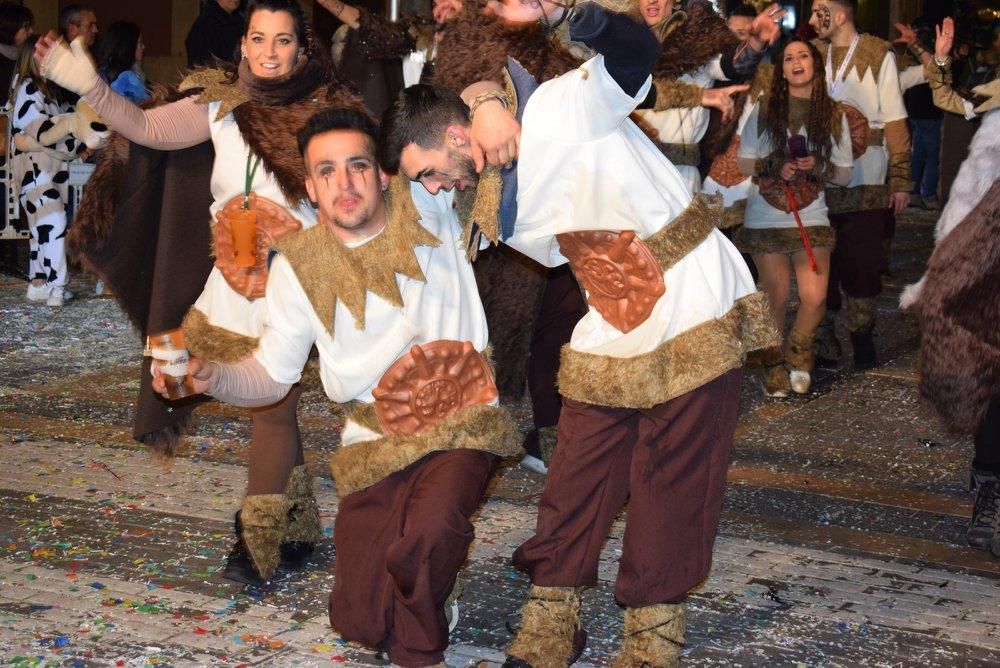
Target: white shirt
352,361
585,166
755,145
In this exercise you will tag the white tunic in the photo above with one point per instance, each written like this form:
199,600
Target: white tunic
754,145
687,125
881,102
352,362
223,306
585,166
739,191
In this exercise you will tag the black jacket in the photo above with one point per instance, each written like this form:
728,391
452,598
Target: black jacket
214,34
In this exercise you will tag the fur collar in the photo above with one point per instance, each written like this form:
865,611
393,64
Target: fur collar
329,271
271,131
869,55
699,38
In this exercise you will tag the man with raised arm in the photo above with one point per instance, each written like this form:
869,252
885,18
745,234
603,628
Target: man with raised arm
651,376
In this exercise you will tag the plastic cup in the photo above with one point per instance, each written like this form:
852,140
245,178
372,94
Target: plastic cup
170,356
243,223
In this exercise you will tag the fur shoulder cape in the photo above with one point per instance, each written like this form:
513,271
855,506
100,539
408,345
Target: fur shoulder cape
475,47
271,132
868,56
700,37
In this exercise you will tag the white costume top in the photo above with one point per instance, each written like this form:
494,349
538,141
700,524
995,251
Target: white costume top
222,305
739,191
687,125
754,144
585,166
352,361
881,102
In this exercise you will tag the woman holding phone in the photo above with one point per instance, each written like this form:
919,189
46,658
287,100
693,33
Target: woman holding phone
795,139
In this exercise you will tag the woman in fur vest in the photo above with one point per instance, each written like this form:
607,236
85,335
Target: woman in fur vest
797,105
251,113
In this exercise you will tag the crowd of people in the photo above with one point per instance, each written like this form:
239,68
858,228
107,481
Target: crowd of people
604,201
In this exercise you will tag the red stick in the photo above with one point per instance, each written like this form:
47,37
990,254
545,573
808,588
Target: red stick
802,228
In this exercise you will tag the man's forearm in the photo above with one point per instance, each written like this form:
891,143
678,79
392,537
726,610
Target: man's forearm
629,48
245,383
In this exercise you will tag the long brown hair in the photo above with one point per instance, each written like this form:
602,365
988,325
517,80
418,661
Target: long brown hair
27,69
824,119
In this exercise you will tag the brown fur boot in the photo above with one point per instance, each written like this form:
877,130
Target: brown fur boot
550,635
264,518
776,382
652,637
305,529
799,360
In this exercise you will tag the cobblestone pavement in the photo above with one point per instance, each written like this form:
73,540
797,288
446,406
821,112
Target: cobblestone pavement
842,541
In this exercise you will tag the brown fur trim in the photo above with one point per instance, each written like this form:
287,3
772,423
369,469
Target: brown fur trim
304,524
652,636
782,239
699,39
475,47
215,86
799,352
676,95
272,134
686,231
867,56
480,208
959,310
363,414
165,443
733,215
264,518
477,427
856,198
329,271
689,360
859,314
681,154
549,619
215,343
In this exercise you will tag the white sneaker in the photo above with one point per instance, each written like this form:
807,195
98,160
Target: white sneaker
99,288
535,464
800,381
38,293
58,296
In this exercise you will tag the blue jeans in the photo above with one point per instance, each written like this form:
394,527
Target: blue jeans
926,155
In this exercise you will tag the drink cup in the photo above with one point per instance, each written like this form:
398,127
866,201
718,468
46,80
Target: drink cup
170,356
243,223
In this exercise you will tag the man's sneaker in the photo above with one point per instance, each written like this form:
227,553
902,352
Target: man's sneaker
983,529
58,296
38,293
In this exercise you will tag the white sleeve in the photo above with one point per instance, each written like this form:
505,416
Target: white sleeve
582,105
840,153
715,69
288,336
911,76
890,97
751,142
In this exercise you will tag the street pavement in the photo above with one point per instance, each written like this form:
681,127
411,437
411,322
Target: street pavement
841,543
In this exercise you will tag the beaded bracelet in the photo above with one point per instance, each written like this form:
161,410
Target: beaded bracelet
484,97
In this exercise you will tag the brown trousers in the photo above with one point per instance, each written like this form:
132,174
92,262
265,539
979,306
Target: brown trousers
669,461
399,546
275,445
856,262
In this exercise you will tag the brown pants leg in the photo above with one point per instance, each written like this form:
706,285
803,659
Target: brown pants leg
400,544
669,460
856,262
275,445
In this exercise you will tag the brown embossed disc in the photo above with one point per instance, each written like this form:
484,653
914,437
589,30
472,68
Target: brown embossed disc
773,191
857,125
725,168
273,222
430,383
622,278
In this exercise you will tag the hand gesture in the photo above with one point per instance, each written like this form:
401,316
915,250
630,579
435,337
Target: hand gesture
495,135
907,35
766,28
944,38
203,377
722,99
806,164
898,202
788,171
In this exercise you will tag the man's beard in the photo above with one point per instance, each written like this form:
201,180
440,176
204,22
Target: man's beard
465,167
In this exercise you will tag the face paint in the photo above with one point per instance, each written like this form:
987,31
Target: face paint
824,16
